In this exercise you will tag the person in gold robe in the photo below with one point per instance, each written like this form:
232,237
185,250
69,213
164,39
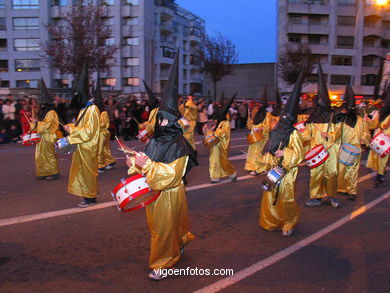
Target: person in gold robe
219,164
168,158
354,132
279,210
381,123
322,129
190,112
46,162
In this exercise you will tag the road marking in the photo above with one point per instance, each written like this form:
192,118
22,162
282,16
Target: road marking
52,214
261,265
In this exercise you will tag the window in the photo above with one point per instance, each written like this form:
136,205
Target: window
294,38
59,2
110,42
342,60
340,79
386,43
313,78
25,23
314,39
3,45
369,42
345,41
27,65
108,82
167,52
368,61
2,3
26,45
131,81
131,61
3,27
369,22
195,31
27,83
130,21
346,20
25,4
61,83
130,41
346,2
3,65
108,21
295,19
368,79
314,19
131,2
195,60
108,2
386,25
4,83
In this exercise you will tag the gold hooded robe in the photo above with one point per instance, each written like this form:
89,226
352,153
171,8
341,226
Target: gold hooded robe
220,166
190,112
374,161
46,162
349,175
104,153
284,214
149,125
167,217
83,170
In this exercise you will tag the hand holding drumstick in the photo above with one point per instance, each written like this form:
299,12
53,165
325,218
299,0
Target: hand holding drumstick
139,158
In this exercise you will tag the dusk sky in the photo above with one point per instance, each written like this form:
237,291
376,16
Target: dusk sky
249,24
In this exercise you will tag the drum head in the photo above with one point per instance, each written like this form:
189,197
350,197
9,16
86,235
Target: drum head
68,149
141,201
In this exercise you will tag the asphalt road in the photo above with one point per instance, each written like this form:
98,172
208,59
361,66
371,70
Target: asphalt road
103,250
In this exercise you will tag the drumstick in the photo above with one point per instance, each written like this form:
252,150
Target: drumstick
124,150
28,119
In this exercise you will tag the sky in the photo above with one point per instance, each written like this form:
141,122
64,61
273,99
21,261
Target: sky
249,24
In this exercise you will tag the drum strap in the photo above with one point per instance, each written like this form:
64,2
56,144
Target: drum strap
278,184
82,115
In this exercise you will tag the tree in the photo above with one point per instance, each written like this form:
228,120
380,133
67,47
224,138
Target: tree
292,60
81,36
218,56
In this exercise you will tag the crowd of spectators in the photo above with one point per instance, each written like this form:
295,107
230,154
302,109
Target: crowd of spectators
125,114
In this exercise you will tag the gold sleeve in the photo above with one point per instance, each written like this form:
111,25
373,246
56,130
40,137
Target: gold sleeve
89,127
104,120
294,152
49,123
222,129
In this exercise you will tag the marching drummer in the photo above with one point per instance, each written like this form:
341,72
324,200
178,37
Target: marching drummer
220,166
374,161
279,210
168,158
259,125
321,130
46,163
354,132
190,113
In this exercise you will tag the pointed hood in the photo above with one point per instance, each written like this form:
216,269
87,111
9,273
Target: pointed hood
350,117
278,104
323,94
98,95
221,98
44,97
378,79
262,113
349,97
292,106
169,103
385,110
221,113
263,100
82,86
153,101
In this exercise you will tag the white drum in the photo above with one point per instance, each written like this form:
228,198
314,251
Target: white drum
31,138
380,143
316,156
300,126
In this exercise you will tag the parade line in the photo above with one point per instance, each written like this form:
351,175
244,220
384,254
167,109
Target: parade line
262,264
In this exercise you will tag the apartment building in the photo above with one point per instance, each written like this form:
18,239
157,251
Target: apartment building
349,37
149,33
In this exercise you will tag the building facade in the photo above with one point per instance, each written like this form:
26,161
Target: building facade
148,32
349,37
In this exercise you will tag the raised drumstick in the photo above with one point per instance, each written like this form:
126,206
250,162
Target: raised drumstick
28,119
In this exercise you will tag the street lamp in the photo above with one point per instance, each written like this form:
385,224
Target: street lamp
381,2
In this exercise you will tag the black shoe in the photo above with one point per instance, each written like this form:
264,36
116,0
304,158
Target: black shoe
352,197
87,202
41,177
343,193
53,177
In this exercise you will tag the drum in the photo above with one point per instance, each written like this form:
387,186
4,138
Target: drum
380,143
143,135
184,123
316,156
133,193
273,178
300,126
63,146
254,136
348,154
210,140
31,138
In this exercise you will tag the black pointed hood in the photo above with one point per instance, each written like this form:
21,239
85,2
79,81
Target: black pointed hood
82,87
277,108
153,101
385,110
262,113
220,114
280,137
44,97
169,103
264,100
98,95
323,93
350,104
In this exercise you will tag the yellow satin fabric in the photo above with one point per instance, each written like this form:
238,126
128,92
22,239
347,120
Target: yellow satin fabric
284,215
323,179
149,125
167,217
253,159
46,162
373,160
348,175
220,166
104,153
191,114
83,170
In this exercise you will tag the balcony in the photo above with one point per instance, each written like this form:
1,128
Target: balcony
130,30
107,10
195,39
309,29
369,70
373,31
373,10
321,49
166,28
130,10
304,7
345,30
166,13
130,51
167,43
376,51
